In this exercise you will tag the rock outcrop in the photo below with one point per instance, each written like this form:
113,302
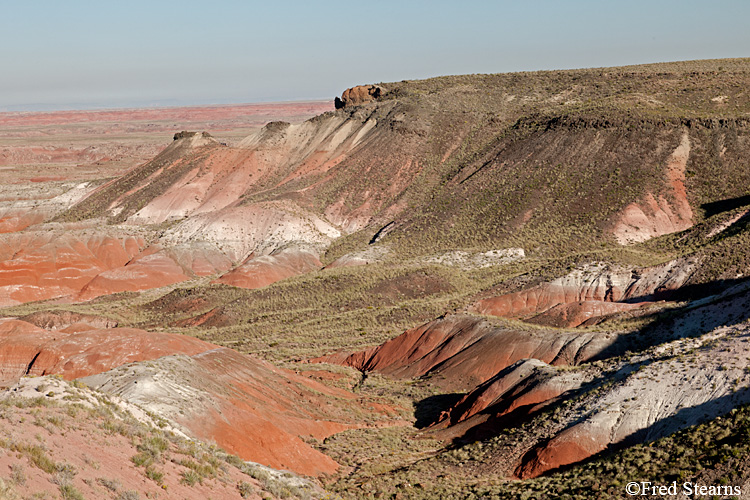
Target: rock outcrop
191,135
589,293
360,94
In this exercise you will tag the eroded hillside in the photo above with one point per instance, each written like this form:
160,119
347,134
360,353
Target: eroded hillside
433,291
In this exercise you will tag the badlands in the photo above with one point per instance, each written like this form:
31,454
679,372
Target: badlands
488,286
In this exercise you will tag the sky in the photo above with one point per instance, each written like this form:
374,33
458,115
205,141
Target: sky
73,54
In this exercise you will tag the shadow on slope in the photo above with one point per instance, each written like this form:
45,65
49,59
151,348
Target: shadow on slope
717,207
429,409
711,305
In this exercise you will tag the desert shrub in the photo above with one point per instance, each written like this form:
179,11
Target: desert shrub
190,478
155,475
246,489
69,492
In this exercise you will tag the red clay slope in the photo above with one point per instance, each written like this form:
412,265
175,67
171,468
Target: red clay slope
261,413
39,265
17,220
43,265
82,350
150,269
258,272
243,404
84,264
462,351
96,441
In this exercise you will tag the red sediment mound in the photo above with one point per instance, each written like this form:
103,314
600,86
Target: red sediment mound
82,446
37,266
571,446
507,399
245,405
266,443
516,385
258,272
263,411
153,268
460,351
26,349
13,221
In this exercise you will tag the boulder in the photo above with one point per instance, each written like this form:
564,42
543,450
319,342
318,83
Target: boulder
358,95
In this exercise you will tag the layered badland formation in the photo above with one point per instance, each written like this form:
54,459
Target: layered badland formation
473,285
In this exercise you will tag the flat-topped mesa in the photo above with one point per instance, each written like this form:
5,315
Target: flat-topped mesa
358,95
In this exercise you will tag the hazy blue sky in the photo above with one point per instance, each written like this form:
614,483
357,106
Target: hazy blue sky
76,53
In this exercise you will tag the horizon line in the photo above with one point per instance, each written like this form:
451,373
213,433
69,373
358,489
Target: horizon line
40,108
